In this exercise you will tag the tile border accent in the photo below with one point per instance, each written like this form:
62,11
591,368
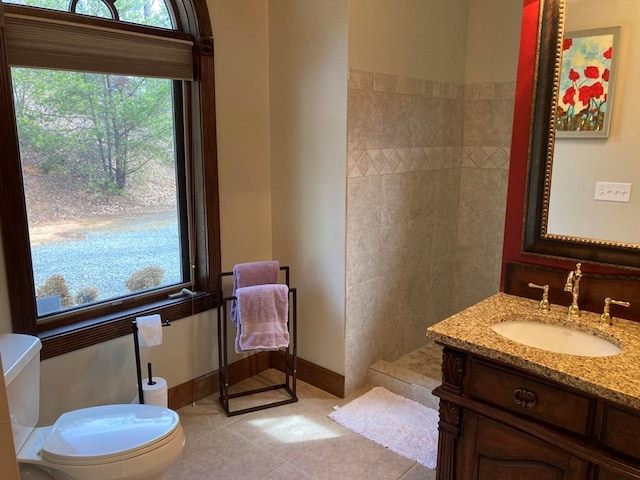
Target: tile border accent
488,157
490,91
388,161
389,83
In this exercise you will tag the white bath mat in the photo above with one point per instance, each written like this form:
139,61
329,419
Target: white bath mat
402,425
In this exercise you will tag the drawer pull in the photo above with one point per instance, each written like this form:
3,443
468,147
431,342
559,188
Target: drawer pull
525,398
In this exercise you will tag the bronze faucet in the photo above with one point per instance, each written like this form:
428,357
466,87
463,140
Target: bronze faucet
544,303
573,285
606,314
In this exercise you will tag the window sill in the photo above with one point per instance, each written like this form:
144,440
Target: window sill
84,334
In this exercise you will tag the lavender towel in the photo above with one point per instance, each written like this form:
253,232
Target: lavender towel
262,317
250,274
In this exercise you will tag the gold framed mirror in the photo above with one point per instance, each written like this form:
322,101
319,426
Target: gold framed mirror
544,175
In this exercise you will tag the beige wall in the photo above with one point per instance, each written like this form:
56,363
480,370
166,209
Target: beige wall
492,56
241,44
240,30
308,80
411,38
494,38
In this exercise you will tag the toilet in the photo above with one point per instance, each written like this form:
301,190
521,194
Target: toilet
129,441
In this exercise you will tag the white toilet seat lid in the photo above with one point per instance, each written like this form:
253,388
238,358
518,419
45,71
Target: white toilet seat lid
110,432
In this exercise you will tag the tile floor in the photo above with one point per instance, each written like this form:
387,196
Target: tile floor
295,441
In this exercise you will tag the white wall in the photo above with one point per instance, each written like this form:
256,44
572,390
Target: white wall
308,85
579,163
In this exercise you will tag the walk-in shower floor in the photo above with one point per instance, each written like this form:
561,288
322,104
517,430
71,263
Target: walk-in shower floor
426,360
414,375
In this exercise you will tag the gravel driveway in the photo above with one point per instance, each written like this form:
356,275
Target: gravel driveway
105,256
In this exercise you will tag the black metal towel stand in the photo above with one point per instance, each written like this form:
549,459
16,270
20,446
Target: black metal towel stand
290,354
136,346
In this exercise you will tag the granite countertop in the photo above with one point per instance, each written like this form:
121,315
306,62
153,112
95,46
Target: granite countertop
615,378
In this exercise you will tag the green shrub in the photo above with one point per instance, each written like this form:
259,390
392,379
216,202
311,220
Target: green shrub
148,277
56,285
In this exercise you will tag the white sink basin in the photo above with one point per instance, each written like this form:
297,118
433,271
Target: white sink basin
556,338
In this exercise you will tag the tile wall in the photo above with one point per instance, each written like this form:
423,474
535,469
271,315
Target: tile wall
425,201
488,119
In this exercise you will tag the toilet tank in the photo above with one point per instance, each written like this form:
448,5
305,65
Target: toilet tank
21,365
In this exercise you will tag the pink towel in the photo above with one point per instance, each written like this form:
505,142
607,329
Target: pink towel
250,274
262,317
255,273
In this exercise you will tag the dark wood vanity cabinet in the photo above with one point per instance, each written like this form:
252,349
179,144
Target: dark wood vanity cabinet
498,422
494,451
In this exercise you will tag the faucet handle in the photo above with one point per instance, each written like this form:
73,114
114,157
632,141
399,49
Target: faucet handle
606,314
544,303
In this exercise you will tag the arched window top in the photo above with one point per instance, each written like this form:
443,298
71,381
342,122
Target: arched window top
154,13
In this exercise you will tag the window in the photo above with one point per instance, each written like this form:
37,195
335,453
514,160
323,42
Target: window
99,169
144,12
109,205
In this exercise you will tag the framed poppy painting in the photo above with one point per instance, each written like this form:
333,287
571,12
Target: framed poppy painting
586,83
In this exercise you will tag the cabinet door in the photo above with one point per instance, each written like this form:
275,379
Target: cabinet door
604,474
493,451
620,430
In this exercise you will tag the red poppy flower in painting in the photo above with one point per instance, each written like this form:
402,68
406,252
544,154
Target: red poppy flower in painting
573,75
605,75
588,92
591,72
608,53
597,90
566,44
584,94
569,96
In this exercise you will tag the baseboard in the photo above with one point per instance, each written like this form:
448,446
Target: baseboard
208,384
195,389
313,374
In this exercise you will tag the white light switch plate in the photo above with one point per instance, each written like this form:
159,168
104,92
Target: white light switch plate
613,192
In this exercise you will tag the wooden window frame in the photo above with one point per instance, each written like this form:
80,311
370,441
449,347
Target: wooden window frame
67,332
